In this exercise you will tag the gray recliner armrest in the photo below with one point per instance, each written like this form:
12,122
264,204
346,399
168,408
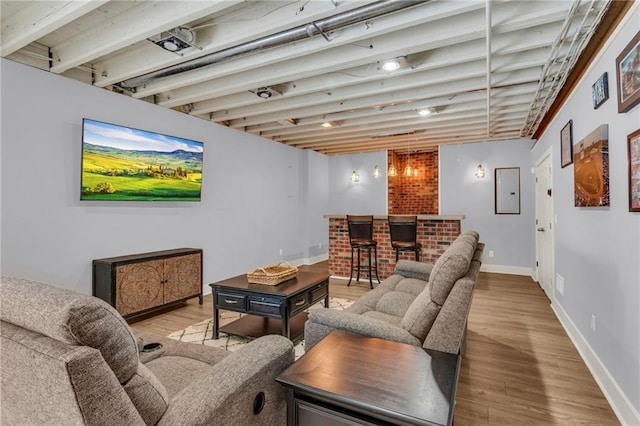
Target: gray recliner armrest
226,393
413,269
322,321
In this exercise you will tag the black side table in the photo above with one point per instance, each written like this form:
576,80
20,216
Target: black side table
348,379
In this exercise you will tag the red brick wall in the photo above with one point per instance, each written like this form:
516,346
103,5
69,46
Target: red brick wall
414,194
434,234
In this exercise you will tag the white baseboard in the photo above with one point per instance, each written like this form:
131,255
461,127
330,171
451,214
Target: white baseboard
505,269
622,407
310,260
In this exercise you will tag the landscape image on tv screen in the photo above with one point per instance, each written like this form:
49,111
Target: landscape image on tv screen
126,164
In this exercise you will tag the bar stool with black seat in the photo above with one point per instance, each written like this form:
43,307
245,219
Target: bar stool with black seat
361,238
403,233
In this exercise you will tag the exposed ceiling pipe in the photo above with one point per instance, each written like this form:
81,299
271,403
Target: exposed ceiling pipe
311,29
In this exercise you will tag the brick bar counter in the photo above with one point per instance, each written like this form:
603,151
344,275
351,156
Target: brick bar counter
435,232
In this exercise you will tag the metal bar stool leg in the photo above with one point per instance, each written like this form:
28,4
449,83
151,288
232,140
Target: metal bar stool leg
375,251
369,256
351,271
358,279
397,254
417,255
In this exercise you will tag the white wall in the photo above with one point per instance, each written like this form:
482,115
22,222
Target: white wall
597,250
369,196
256,200
316,200
510,237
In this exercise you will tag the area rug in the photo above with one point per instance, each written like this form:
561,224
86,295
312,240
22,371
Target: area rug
202,332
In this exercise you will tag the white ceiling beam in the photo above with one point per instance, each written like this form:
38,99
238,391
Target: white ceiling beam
146,19
454,124
220,33
416,144
451,122
383,83
35,19
412,40
408,95
313,127
438,58
364,32
387,85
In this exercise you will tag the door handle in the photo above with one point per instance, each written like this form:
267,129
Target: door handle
541,229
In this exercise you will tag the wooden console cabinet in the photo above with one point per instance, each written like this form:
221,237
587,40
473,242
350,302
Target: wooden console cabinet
140,283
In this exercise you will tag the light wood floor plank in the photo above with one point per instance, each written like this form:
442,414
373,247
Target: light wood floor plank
519,368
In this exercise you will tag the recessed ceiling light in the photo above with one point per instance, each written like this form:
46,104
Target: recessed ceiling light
426,111
395,64
391,65
328,124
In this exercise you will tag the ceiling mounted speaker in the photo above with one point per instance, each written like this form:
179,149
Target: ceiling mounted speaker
177,39
266,92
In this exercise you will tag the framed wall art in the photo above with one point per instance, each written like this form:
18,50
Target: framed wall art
591,169
566,144
600,91
628,75
633,151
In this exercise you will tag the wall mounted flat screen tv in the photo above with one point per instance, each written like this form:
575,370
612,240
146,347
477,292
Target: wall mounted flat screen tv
126,164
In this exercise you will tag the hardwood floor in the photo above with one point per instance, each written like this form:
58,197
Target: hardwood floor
519,368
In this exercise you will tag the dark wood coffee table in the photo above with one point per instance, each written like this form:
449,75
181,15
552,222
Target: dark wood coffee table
347,379
271,309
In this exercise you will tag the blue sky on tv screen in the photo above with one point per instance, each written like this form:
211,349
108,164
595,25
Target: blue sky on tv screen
112,135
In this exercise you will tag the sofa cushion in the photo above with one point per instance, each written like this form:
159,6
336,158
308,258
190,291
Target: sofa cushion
420,315
72,318
473,233
449,267
148,395
394,303
411,286
176,372
388,318
411,269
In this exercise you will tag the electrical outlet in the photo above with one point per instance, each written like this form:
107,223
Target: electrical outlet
281,251
490,253
560,284
593,323
319,245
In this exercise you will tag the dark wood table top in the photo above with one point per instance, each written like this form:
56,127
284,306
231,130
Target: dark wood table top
400,383
302,281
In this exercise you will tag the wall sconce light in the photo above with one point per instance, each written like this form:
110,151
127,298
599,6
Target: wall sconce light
480,172
376,172
355,177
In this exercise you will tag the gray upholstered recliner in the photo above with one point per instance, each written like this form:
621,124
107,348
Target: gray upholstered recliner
68,358
420,304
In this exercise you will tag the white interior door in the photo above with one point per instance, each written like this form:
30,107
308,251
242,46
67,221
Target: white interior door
544,224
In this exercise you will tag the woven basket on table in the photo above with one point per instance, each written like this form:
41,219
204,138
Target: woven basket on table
272,274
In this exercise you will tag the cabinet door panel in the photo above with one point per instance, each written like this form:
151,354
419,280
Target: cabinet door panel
139,286
183,276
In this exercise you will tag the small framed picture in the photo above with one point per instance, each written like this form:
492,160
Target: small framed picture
566,144
600,91
628,73
633,151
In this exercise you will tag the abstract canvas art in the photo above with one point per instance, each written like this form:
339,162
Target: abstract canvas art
591,169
